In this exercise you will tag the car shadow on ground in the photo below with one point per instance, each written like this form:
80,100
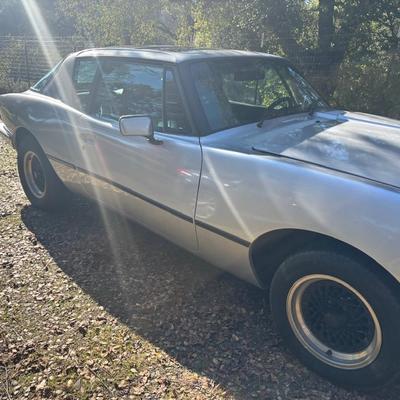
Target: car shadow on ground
209,321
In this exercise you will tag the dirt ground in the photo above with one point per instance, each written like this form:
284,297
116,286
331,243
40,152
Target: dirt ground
95,307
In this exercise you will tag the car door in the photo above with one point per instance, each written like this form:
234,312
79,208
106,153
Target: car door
155,182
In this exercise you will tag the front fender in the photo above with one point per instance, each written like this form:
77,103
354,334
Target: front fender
247,196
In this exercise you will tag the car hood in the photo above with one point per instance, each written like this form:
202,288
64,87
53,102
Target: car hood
356,143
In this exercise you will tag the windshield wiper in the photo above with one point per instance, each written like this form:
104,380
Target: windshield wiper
313,107
261,121
277,113
270,114
316,106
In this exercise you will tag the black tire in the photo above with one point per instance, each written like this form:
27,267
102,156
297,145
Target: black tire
47,193
296,286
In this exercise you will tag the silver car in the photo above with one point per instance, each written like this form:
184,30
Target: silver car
236,158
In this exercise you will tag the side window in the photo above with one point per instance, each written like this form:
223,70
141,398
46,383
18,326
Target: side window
84,75
128,88
175,116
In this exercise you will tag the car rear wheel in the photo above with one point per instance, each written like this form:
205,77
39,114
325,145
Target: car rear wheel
39,181
339,316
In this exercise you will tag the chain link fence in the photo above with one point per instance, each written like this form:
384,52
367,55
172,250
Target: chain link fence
23,60
370,83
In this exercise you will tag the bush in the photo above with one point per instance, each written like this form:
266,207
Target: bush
371,85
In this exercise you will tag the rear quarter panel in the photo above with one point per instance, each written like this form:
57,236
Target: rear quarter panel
9,106
55,126
49,120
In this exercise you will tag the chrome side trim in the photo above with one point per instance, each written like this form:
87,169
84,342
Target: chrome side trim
222,233
125,189
155,203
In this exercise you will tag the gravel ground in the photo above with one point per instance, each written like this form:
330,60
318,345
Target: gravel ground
92,306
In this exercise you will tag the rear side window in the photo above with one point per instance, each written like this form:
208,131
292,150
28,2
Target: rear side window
39,86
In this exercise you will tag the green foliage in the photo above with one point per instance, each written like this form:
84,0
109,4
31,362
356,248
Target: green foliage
370,85
8,70
348,48
14,19
114,22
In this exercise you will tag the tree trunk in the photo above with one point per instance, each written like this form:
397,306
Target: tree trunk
326,27
327,63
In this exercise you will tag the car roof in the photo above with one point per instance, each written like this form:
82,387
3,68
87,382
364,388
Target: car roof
171,54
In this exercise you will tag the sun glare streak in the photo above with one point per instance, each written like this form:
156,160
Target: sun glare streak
226,197
41,31
77,122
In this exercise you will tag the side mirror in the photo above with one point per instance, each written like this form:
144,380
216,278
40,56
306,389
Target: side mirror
136,125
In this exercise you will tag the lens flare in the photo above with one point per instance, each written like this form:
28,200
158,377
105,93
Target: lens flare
77,122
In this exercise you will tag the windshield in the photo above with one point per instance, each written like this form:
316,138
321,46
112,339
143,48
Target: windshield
238,92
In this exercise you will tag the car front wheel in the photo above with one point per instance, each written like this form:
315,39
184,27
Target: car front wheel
39,181
339,316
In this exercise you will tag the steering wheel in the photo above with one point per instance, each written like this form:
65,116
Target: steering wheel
279,101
